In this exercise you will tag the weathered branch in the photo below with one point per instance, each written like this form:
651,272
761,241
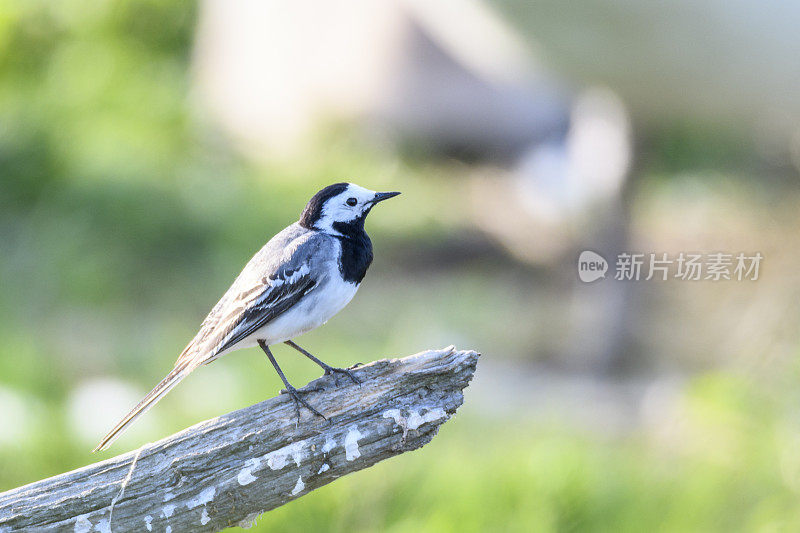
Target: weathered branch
228,470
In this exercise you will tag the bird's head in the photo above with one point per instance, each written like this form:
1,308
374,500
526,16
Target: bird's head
341,208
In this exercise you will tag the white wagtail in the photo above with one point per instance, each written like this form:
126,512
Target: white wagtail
301,278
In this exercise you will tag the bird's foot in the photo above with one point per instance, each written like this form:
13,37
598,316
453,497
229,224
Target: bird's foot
298,401
329,370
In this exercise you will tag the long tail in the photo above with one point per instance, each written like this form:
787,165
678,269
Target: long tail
160,390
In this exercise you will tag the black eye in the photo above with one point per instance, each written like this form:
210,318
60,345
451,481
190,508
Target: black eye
351,202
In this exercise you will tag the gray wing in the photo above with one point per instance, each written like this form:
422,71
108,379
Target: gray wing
275,279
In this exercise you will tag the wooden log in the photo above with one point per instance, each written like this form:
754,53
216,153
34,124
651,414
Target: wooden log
226,471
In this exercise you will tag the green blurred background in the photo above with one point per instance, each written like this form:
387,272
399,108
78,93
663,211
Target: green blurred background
127,206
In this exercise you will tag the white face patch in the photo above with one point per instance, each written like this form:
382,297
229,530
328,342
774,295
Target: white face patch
337,208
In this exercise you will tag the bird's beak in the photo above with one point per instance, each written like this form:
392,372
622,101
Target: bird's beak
381,196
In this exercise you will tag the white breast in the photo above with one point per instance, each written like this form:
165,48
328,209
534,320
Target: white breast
316,308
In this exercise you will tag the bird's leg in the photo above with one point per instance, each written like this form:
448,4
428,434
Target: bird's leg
327,368
291,390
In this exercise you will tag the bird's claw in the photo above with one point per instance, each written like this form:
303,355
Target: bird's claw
298,400
346,371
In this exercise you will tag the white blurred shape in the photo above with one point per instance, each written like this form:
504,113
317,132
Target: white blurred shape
542,181
599,142
19,417
559,180
480,40
94,406
269,70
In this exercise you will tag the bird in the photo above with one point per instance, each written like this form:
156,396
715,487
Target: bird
296,282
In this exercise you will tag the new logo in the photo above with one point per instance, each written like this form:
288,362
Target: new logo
591,266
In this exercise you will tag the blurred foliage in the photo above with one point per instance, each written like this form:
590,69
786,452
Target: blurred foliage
521,477
683,146
123,216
